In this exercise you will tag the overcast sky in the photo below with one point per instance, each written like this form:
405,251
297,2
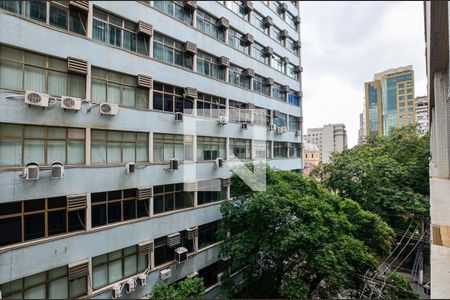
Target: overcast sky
344,44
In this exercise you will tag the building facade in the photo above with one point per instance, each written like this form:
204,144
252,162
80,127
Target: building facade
437,61
118,124
389,100
329,138
422,114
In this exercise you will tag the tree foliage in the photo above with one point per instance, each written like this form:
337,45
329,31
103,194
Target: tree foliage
299,240
189,288
388,175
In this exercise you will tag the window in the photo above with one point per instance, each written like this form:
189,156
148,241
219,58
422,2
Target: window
164,254
236,77
170,98
290,45
60,14
235,40
401,91
293,98
170,51
117,206
167,146
290,20
210,148
280,149
114,266
290,70
280,119
277,63
277,92
294,150
258,21
240,148
260,85
261,149
208,65
118,32
401,98
275,33
409,90
239,112
118,88
207,234
36,219
409,96
21,144
258,53
207,24
401,85
410,103
268,149
294,123
171,197
118,146
210,106
52,284
236,7
260,117
22,70
211,191
402,104
209,274
174,9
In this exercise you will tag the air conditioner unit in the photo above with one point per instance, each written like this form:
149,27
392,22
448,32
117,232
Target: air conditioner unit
226,182
142,280
36,99
110,109
178,117
57,169
181,254
192,233
130,167
165,274
117,291
273,127
190,92
222,120
190,186
173,239
219,162
244,126
131,286
173,164
280,130
71,103
298,133
31,171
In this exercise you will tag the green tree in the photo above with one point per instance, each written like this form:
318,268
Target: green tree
388,175
298,240
403,289
189,288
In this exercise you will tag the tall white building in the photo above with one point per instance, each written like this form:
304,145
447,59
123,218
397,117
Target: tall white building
144,104
361,130
329,138
422,118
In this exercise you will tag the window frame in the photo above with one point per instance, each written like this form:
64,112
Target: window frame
175,140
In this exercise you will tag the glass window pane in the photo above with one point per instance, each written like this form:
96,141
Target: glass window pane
129,96
35,79
33,151
34,226
100,276
76,86
77,22
115,271
75,152
11,75
98,90
113,93
129,152
98,153
58,16
114,152
130,265
56,151
58,289
37,292
10,152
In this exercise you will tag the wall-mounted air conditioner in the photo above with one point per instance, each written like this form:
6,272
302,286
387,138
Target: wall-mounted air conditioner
36,99
173,164
181,254
219,162
244,126
130,167
165,274
178,117
131,286
57,170
110,109
31,171
117,291
273,127
71,103
142,278
222,120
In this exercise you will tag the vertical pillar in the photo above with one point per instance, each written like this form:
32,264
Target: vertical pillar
150,146
194,147
88,210
88,81
252,149
227,149
87,146
90,20
150,98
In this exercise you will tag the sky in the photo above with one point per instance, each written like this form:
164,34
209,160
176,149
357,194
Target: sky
344,44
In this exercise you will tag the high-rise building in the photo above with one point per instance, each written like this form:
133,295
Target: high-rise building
117,123
422,114
437,61
329,138
361,129
389,100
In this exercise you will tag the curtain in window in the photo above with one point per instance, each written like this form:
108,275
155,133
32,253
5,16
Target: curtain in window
141,98
10,153
99,30
75,152
76,86
114,152
113,93
129,96
158,152
100,276
34,151
98,90
77,287
35,79
56,151
11,74
168,55
130,265
115,271
58,289
168,152
57,83
158,51
98,153
129,152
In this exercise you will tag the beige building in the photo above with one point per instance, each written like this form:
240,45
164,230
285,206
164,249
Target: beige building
437,60
311,157
422,118
329,138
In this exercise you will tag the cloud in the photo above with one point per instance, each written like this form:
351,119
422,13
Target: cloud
344,44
